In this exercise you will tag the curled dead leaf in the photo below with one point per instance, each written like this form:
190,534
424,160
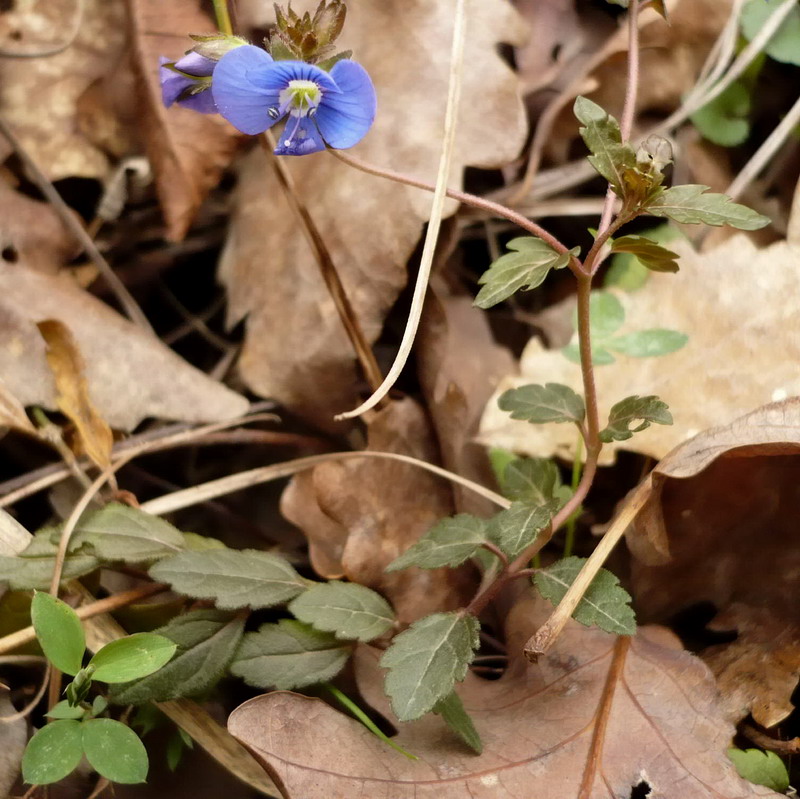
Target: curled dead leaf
597,717
359,516
73,400
724,505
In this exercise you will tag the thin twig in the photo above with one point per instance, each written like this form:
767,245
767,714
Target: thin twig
435,219
122,294
237,482
547,634
327,267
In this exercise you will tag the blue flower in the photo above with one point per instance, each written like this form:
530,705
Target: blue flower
187,82
254,92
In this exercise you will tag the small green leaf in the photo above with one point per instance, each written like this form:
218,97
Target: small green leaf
59,632
531,480
725,120
206,641
648,343
525,267
451,709
448,543
426,660
99,704
650,254
200,543
761,768
606,604
121,533
114,751
695,205
289,655
232,578
499,458
607,314
349,610
784,46
132,657
517,527
600,355
610,157
23,573
52,753
538,404
64,710
646,410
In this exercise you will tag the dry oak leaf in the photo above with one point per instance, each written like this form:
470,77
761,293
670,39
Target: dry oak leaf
131,375
32,232
371,226
39,96
738,306
359,516
189,151
725,506
596,717
456,388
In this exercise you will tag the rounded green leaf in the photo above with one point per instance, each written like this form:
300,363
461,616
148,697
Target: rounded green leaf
132,657
115,751
59,631
64,710
784,46
52,753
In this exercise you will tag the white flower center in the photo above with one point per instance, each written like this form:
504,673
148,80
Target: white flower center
300,97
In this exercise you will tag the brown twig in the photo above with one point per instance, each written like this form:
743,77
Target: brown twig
784,748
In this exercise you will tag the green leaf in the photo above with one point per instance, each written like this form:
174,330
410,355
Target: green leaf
426,660
531,480
525,267
538,404
600,355
648,343
59,632
646,410
607,314
206,641
784,46
606,604
120,532
350,610
24,573
114,751
232,578
649,253
451,709
448,543
725,120
200,543
610,157
695,205
64,710
52,753
762,768
132,657
499,458
517,527
289,655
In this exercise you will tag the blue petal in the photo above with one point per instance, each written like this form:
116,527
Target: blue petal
195,64
240,91
202,101
345,118
172,84
280,73
305,140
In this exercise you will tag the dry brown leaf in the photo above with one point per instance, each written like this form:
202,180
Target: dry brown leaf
737,304
38,96
31,232
371,226
188,150
131,375
596,717
13,737
361,515
459,366
726,504
73,400
12,413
